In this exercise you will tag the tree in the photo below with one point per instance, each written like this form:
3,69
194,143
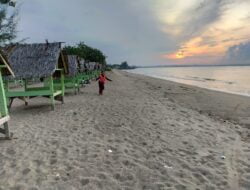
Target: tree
4,1
10,2
124,65
7,24
86,52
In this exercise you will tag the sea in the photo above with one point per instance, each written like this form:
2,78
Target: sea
230,79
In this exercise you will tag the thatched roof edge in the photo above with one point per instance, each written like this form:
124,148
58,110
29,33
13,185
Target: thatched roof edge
35,60
5,62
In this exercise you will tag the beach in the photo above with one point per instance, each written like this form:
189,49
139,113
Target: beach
142,134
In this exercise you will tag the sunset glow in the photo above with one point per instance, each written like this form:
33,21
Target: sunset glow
144,32
214,39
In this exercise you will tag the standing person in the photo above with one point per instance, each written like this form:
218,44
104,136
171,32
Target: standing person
102,79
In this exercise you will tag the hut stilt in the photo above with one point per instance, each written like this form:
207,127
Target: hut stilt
4,114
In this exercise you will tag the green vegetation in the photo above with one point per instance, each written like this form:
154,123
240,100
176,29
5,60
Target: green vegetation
4,1
86,52
124,65
7,24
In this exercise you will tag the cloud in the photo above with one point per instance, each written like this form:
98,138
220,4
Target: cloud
201,16
219,25
238,54
139,32
124,30
195,18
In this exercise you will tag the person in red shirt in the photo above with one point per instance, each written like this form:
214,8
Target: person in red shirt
102,79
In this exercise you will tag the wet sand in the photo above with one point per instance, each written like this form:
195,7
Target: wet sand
144,133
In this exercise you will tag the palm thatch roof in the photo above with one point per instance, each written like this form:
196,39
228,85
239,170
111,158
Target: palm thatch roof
6,69
99,66
82,65
35,60
72,65
92,66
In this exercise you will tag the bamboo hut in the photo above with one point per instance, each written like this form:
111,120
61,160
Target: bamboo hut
94,68
72,65
82,66
44,61
83,75
5,70
79,72
71,79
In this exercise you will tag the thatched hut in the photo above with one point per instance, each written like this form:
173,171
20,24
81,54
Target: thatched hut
71,80
5,70
82,66
72,65
91,66
85,71
37,61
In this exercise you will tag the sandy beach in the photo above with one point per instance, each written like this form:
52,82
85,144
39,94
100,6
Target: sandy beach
143,134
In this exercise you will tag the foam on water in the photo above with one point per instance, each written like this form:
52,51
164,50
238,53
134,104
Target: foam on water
229,79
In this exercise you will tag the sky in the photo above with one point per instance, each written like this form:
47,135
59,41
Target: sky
145,32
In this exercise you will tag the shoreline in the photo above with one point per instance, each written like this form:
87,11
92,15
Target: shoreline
143,133
236,104
211,89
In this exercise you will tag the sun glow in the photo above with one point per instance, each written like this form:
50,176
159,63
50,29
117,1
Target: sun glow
232,28
178,55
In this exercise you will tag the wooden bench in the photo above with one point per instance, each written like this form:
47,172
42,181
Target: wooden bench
48,91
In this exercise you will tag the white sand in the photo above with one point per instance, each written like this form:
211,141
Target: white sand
133,137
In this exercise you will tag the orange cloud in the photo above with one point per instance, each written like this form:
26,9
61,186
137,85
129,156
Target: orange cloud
231,29
177,55
209,44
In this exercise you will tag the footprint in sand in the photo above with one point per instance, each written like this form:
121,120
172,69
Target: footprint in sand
26,171
53,161
245,183
33,188
64,150
11,151
85,182
124,177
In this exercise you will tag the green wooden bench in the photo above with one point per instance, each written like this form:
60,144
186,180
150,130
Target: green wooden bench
46,91
69,83
33,63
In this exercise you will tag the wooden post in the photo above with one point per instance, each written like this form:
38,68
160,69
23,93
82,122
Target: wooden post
64,63
6,87
3,107
25,84
51,87
3,102
75,84
25,89
78,83
62,84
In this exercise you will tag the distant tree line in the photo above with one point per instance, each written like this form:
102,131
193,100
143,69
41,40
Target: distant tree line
86,52
10,2
123,66
8,33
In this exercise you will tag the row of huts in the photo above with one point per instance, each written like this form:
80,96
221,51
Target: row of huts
42,69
